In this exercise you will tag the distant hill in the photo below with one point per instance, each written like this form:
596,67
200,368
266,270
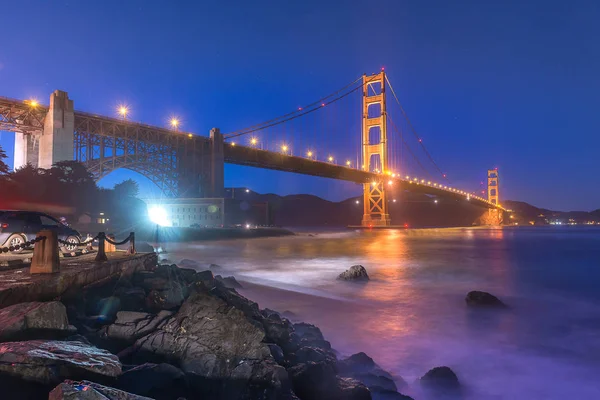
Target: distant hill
412,209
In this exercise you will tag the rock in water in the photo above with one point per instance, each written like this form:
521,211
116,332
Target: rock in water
33,320
319,381
380,382
218,347
50,362
355,273
85,390
483,299
441,379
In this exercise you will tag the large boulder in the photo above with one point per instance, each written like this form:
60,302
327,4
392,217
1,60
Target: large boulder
34,321
311,336
362,367
85,390
441,380
50,362
131,298
354,273
158,381
476,298
131,325
316,380
218,346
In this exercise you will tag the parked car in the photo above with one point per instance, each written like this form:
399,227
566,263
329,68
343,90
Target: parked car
17,227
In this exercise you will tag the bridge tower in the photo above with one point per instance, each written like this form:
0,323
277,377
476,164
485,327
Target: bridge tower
492,184
374,142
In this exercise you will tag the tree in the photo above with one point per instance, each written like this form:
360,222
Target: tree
3,166
127,188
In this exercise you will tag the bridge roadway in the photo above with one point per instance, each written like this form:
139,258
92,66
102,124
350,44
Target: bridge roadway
253,157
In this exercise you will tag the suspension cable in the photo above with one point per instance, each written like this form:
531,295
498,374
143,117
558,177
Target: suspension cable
270,122
395,128
412,128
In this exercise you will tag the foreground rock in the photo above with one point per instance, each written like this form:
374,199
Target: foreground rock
229,282
50,362
355,273
85,390
131,325
483,299
314,380
441,380
380,382
33,320
218,347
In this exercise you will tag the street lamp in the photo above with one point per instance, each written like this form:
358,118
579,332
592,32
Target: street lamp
284,148
174,123
123,111
253,141
309,154
33,103
348,163
330,158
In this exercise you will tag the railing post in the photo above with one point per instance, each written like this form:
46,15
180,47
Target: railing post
131,243
101,256
110,248
45,259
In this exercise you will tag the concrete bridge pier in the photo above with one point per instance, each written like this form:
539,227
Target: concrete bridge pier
217,164
56,141
27,147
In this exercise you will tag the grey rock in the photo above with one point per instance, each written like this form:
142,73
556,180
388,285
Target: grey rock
33,320
276,353
86,390
50,362
319,381
441,379
131,325
362,367
132,299
229,282
355,273
218,346
483,299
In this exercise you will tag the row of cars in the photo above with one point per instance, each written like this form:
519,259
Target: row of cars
19,227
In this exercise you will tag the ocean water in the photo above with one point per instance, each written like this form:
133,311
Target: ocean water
411,316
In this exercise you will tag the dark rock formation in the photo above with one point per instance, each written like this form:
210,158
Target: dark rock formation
85,390
355,273
483,299
229,282
131,325
441,380
34,321
50,362
313,380
158,381
187,263
380,382
144,247
132,298
218,346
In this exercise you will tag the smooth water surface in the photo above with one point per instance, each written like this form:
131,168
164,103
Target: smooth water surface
412,315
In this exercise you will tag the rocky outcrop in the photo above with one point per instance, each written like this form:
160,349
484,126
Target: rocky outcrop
131,325
50,362
354,273
158,381
34,321
483,299
441,380
314,380
228,282
85,390
380,382
218,346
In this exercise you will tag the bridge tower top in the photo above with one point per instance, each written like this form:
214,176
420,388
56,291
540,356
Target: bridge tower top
493,187
374,148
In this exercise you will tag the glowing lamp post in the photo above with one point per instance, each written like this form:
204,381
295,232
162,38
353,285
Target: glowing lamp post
174,123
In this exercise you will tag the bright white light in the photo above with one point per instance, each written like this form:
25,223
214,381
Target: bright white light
435,201
358,202
158,215
247,190
247,226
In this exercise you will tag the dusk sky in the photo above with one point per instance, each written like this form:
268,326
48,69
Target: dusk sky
507,84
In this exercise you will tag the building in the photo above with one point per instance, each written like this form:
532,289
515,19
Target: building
187,212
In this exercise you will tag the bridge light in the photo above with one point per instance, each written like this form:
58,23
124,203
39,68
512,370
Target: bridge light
253,141
390,182
33,103
373,183
123,110
416,179
330,158
348,163
232,144
393,175
428,182
247,190
435,201
284,148
190,135
358,202
309,154
444,175
394,200
422,180
407,177
174,123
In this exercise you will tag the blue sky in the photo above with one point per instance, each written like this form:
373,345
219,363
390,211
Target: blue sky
511,84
